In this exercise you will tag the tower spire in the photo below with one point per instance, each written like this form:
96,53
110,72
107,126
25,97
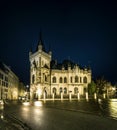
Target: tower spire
40,42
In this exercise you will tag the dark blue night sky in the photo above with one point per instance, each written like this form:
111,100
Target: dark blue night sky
85,32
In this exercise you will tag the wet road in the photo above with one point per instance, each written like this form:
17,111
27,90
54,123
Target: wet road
61,116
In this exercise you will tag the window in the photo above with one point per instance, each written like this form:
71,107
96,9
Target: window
33,79
76,79
85,79
80,79
6,78
65,80
75,90
65,90
54,91
60,80
45,78
60,90
71,79
54,80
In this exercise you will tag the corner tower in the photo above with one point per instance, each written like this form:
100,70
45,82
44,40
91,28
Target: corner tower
39,71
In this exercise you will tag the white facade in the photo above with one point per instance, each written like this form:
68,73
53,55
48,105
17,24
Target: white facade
47,80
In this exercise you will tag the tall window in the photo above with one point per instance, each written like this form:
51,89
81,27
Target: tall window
85,79
65,80
65,90
61,90
80,79
33,78
60,80
75,90
54,91
45,78
76,79
71,79
54,80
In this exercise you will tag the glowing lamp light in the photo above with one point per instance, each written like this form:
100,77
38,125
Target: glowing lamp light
2,116
38,103
113,88
39,91
26,103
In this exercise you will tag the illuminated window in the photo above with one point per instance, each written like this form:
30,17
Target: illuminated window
60,80
65,90
54,80
76,79
75,90
65,80
85,79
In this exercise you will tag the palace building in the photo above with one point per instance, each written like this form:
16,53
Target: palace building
47,77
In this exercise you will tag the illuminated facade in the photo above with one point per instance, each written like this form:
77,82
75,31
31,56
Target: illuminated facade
48,77
9,83
3,82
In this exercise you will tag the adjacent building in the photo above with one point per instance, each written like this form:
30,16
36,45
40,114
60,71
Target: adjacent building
9,83
47,77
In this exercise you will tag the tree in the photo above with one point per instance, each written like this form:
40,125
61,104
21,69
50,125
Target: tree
91,88
101,85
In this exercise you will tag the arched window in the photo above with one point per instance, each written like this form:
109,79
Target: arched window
54,91
33,78
76,79
75,90
85,79
60,80
60,90
65,80
65,90
54,80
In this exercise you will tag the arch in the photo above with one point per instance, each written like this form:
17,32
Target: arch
65,80
54,79
65,90
75,90
60,80
76,79
85,79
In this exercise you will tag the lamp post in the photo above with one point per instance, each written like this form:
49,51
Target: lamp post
27,91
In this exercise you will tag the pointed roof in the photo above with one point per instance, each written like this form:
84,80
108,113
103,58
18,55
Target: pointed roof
40,42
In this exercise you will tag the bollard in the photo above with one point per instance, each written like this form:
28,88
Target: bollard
78,96
95,96
104,96
69,96
87,96
61,96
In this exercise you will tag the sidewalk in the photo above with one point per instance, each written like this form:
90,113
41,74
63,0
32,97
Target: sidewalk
8,123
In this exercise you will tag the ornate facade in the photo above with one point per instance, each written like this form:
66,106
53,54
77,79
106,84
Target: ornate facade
48,77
